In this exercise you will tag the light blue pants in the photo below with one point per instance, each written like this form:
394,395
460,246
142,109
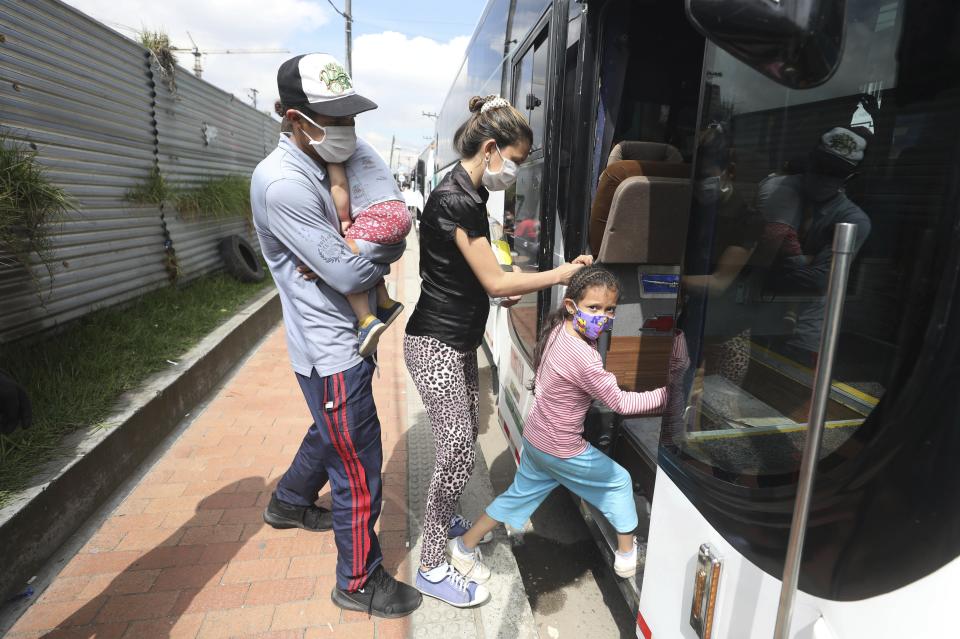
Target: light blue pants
591,475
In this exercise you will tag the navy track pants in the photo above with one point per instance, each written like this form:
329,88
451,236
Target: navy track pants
343,447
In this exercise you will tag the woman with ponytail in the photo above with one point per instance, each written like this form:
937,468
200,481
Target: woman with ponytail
460,273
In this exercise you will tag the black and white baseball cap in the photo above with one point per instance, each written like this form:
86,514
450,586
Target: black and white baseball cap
318,82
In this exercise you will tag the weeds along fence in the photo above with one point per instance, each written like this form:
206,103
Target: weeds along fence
96,111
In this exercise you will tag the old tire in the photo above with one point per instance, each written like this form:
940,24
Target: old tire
240,260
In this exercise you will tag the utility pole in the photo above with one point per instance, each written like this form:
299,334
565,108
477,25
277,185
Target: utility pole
253,96
435,116
393,141
348,24
347,15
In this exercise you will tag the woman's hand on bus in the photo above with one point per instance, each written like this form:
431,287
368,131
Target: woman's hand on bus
507,302
586,260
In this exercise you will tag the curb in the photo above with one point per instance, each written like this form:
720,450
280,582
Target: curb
69,490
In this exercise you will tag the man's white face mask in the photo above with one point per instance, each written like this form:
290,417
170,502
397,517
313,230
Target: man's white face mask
337,144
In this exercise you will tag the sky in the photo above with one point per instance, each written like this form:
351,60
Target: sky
405,54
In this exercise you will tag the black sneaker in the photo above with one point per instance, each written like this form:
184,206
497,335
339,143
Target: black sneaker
381,596
283,515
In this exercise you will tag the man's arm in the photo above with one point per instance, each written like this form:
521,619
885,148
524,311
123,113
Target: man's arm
297,218
815,276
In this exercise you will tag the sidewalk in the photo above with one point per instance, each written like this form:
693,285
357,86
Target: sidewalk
186,553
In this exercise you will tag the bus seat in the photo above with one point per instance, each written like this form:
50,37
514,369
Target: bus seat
647,223
630,159
644,152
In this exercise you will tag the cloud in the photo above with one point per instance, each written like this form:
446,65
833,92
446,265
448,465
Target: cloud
405,76
218,24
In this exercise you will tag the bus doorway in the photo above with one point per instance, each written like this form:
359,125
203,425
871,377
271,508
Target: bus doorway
645,134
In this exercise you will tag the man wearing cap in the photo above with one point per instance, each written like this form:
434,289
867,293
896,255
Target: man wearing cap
297,225
810,204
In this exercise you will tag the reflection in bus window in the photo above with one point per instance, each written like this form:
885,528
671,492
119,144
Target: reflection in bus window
776,170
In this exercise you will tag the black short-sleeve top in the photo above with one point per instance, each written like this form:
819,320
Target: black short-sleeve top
453,305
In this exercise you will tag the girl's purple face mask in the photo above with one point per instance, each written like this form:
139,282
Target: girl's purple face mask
589,325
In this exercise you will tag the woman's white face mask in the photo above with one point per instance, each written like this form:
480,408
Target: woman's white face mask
337,144
502,179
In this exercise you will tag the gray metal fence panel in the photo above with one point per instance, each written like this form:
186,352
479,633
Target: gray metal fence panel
80,94
203,133
99,118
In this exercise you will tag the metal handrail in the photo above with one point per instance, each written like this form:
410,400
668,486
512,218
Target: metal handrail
844,245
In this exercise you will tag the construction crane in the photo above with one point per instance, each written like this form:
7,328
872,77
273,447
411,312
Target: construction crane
198,54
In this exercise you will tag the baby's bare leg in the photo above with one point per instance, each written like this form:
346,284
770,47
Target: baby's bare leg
360,303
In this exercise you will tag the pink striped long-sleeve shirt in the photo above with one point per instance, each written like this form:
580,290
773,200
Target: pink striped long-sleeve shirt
570,376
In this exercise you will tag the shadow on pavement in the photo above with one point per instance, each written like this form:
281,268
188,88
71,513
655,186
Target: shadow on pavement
202,561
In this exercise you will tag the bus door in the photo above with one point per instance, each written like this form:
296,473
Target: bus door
545,213
645,113
523,224
786,153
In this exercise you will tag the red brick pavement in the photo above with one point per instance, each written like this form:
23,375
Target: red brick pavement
186,554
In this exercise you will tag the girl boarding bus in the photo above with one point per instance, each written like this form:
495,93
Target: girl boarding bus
778,185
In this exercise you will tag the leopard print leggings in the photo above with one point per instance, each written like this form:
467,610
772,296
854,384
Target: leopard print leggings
448,384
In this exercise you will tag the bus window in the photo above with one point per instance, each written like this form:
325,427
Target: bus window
776,169
522,210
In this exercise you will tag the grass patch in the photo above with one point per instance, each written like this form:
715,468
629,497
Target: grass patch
227,196
30,205
75,378
158,43
215,197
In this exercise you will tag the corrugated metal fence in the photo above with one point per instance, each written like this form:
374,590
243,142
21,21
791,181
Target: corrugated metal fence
90,103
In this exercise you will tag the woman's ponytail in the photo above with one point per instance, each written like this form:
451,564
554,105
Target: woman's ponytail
491,117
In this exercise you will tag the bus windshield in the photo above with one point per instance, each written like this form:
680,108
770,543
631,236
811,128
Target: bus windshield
775,170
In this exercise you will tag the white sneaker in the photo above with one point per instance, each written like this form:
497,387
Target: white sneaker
468,564
625,565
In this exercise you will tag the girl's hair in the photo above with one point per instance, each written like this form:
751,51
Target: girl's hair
582,281
499,121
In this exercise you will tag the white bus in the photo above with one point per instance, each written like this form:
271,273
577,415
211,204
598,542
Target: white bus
811,112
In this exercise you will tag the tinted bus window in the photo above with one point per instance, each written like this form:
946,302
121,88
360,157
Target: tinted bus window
480,74
522,210
776,169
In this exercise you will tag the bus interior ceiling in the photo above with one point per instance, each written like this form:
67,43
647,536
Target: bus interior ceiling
652,60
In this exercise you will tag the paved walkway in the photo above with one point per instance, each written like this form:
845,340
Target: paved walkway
186,553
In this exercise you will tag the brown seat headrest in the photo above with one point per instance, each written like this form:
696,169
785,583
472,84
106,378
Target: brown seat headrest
644,152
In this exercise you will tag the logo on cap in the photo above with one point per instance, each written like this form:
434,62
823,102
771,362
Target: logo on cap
335,78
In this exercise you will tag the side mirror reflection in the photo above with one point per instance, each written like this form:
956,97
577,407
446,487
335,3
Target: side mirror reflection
797,43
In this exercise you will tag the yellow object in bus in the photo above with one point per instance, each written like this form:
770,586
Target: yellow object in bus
502,250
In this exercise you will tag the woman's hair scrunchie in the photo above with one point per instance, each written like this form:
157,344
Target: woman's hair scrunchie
495,103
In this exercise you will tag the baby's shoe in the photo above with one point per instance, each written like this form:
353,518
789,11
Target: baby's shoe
368,335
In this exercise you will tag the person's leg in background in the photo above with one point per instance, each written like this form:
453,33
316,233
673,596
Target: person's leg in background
293,502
